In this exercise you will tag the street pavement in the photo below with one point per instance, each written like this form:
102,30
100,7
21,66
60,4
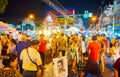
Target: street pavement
108,73
49,72
1,63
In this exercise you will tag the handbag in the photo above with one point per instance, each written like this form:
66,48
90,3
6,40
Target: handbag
38,73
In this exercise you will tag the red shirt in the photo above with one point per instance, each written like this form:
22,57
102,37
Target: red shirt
95,48
42,45
116,65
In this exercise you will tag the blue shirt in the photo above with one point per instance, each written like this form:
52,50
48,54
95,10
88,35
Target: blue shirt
20,46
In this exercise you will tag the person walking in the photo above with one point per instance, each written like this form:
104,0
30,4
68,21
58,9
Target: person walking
42,48
31,60
94,49
62,44
20,46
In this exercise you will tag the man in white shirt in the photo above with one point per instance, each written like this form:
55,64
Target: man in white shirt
31,60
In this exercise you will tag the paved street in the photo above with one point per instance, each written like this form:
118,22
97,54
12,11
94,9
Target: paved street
108,73
1,63
49,72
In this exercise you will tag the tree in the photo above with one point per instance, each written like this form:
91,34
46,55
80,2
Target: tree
3,4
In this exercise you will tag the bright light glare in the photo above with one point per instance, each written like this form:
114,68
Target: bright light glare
31,16
118,34
40,32
94,18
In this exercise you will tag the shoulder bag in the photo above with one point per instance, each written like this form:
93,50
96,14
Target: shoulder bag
39,71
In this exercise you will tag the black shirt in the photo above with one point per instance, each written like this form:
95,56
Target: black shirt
92,67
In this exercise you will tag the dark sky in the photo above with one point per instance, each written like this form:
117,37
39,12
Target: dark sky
22,8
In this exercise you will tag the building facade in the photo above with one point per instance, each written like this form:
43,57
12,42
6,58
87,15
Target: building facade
117,18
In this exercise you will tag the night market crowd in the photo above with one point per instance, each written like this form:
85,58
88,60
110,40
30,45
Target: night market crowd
87,57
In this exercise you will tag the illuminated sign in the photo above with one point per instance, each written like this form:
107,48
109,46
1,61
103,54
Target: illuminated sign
68,12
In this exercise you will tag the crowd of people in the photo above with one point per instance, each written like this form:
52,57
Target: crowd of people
23,57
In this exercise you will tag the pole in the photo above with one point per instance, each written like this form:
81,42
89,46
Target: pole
65,20
34,25
22,28
113,24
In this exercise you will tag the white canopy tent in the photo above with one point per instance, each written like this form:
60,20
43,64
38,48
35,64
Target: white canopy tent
73,30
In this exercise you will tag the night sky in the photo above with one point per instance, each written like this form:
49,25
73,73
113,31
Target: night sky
22,8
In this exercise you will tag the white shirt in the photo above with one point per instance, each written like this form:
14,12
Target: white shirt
116,54
83,47
27,63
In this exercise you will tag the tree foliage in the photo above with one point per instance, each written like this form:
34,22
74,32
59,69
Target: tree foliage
3,4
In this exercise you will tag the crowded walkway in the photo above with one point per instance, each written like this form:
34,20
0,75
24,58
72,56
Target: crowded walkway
75,55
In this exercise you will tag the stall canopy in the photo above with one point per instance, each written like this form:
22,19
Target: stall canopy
4,26
72,30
